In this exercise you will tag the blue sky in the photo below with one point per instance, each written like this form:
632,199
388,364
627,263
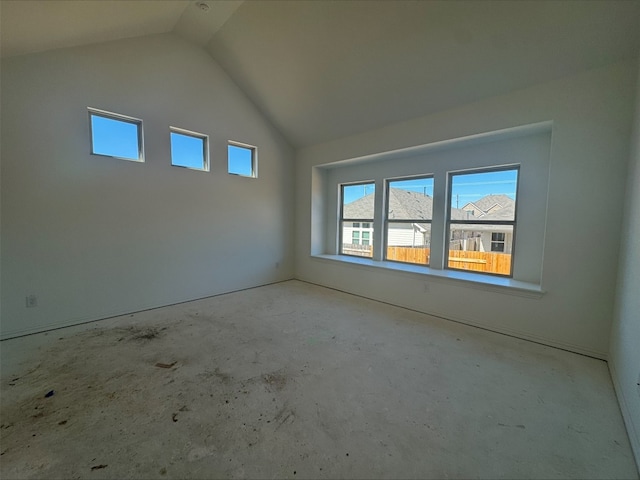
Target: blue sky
240,160
117,138
114,137
473,186
465,188
186,151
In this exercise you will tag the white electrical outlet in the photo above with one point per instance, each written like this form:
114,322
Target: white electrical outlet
31,301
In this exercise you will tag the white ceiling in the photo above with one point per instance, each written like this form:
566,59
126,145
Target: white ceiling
321,70
30,26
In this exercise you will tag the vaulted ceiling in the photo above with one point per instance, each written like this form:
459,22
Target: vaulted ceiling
321,70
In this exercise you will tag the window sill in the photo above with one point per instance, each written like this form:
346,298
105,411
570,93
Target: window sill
473,280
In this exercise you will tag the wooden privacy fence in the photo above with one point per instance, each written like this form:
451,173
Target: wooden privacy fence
357,250
489,262
409,254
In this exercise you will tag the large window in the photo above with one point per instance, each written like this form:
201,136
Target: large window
115,135
442,210
189,149
482,220
356,219
478,222
408,220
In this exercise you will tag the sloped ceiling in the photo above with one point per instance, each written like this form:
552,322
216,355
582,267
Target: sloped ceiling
321,70
327,69
30,26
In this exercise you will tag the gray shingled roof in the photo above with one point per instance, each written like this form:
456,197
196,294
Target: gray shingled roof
489,201
407,205
360,209
507,212
403,205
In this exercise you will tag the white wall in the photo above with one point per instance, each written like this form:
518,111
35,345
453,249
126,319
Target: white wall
591,115
93,236
624,357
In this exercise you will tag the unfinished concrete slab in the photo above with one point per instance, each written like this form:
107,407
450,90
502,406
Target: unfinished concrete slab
293,380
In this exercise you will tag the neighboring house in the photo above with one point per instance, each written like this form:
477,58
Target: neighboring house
488,204
483,237
406,205
403,205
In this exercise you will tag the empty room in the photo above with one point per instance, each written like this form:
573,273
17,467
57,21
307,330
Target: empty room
319,239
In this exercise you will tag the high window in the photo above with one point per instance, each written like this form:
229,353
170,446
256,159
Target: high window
242,159
482,220
356,219
189,149
114,135
409,211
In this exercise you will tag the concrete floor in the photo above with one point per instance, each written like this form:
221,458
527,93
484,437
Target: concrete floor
294,380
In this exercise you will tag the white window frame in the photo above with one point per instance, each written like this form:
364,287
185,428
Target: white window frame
360,221
479,221
254,158
205,147
121,118
498,242
388,182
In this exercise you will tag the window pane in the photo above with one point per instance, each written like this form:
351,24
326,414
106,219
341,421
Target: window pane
188,151
411,199
486,196
357,201
115,138
353,235
476,247
408,242
241,160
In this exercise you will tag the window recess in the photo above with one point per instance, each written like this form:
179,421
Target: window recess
115,135
189,149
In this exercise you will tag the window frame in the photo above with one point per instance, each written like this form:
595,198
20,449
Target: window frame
386,221
120,118
205,147
254,158
478,221
498,242
342,220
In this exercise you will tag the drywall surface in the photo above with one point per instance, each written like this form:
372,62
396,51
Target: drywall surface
591,114
93,236
624,357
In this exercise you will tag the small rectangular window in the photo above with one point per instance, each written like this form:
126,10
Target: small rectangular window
242,160
356,218
497,241
482,220
115,135
189,149
408,220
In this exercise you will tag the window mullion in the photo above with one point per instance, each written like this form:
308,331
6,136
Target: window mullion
438,222
378,221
